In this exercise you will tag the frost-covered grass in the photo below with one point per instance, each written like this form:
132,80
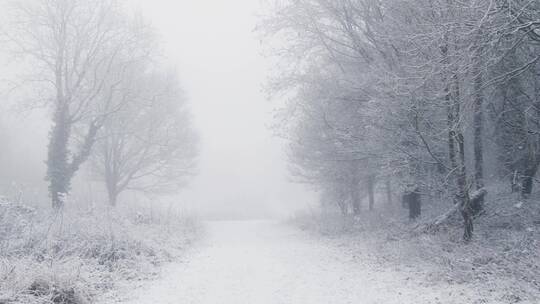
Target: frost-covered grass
502,263
79,255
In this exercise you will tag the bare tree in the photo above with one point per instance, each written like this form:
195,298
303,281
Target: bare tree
149,145
79,52
400,94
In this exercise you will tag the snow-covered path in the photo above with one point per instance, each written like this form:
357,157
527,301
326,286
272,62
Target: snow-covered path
269,262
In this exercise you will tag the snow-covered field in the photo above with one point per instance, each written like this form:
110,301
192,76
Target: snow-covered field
271,262
82,254
500,265
372,259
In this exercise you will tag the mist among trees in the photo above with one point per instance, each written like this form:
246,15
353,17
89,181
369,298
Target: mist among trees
413,127
428,100
121,136
97,70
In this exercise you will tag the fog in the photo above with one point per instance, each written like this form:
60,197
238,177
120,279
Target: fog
243,168
378,152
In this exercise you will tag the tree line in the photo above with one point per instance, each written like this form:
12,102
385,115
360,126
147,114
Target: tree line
431,98
113,103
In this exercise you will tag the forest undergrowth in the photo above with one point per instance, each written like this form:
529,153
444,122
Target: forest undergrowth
501,264
80,255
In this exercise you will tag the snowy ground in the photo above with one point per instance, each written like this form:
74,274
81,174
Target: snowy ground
270,262
83,254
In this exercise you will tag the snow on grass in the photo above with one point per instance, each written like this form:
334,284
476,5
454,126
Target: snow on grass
501,264
77,256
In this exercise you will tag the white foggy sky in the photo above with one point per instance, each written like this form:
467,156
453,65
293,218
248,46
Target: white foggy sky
242,166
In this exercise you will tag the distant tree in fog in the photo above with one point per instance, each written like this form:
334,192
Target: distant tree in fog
149,145
80,52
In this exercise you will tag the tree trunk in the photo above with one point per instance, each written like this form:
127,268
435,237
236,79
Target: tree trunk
463,192
528,178
415,205
455,138
113,195
412,201
371,194
452,109
111,179
355,200
388,192
514,185
60,170
478,206
355,191
57,158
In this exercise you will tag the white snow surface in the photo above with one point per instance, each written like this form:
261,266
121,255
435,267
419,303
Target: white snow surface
271,262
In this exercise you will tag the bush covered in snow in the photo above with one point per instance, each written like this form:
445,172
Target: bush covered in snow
77,255
501,263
